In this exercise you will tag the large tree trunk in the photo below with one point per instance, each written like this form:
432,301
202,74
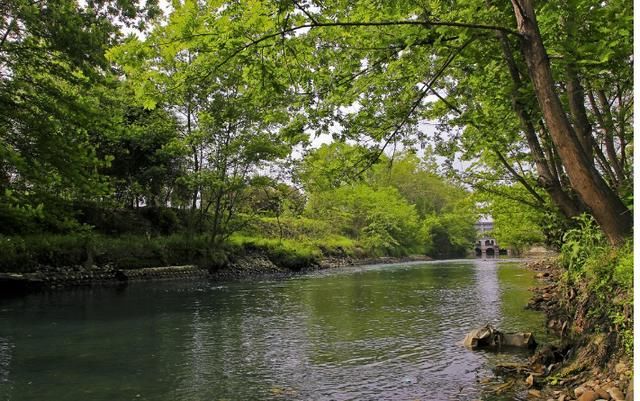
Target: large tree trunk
546,179
608,210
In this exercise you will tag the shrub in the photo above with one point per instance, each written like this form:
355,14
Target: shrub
605,276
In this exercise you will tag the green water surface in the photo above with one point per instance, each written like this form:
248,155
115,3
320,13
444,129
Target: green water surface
386,332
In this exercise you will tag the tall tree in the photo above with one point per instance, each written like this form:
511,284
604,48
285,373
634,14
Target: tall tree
235,121
371,69
54,80
573,141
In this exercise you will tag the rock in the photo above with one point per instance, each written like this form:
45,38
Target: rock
562,397
588,395
535,394
620,367
482,337
602,394
629,396
530,381
489,337
578,391
616,394
523,340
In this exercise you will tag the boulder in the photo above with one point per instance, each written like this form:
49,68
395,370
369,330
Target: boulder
616,394
588,395
489,337
522,340
483,337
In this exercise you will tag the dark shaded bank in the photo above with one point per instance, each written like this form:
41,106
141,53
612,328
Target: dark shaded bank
247,266
590,361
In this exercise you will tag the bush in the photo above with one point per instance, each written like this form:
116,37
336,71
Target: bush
289,227
24,254
605,276
164,220
579,244
289,254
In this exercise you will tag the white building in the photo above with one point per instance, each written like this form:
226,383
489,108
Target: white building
486,245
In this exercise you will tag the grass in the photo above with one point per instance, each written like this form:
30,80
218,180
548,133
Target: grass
603,276
26,253
295,253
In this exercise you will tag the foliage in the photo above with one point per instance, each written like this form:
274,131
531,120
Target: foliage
289,254
449,235
605,277
580,243
372,74
234,122
396,207
289,228
516,225
55,86
380,219
417,181
191,125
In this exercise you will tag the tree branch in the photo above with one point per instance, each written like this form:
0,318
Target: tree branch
355,24
519,178
502,159
416,103
305,12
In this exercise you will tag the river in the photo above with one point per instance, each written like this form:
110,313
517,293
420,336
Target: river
382,332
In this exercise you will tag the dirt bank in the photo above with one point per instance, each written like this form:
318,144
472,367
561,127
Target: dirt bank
588,362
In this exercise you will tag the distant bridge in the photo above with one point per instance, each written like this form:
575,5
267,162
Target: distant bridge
487,246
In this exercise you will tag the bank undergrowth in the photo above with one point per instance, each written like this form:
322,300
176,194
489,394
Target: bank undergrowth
292,244
598,287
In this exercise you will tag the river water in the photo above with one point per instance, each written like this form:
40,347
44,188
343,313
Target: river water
385,332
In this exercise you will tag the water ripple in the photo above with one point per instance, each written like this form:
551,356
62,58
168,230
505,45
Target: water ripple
366,333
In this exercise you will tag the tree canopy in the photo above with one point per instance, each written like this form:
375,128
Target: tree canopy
211,101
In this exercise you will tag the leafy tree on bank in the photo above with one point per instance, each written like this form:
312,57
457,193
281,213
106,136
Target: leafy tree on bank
144,165
518,226
234,122
54,80
376,69
396,206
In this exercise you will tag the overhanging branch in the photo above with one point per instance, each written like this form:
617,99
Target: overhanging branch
313,25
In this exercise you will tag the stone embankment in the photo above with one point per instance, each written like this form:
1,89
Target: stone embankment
242,267
567,373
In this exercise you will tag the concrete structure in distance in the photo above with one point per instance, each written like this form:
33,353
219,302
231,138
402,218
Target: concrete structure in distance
486,245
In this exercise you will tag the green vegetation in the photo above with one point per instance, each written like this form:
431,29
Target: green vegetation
364,217
134,136
194,138
603,278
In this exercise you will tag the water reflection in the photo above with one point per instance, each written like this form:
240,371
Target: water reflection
379,332
5,360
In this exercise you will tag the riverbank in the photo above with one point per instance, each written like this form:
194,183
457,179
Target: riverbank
591,360
256,264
